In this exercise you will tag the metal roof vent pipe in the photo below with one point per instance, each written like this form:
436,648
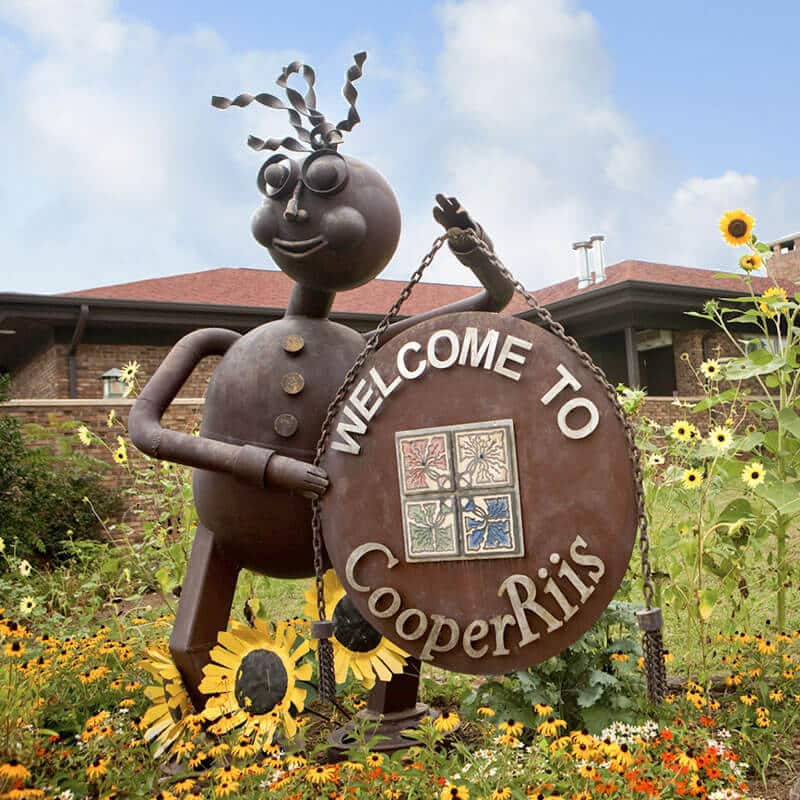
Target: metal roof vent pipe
599,246
582,251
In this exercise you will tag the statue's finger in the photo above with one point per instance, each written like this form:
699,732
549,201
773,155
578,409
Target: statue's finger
441,200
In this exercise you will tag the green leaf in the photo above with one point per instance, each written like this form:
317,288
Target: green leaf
698,314
790,421
599,678
706,600
715,400
760,357
733,275
763,248
751,315
589,695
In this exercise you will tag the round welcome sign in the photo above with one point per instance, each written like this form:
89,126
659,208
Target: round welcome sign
482,508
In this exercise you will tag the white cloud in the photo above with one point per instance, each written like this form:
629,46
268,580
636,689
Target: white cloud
116,167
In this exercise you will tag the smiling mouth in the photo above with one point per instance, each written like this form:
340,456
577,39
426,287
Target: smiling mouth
298,249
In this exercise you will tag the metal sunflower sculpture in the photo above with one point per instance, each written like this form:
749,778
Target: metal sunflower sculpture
357,646
170,718
252,679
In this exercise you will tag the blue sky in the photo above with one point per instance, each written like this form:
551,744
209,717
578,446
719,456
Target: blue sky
550,119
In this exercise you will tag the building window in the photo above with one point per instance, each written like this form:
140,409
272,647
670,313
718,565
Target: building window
113,385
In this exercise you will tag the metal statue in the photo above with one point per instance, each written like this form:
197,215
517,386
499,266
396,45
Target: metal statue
331,223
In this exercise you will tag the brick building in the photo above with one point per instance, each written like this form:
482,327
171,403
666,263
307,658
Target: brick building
630,318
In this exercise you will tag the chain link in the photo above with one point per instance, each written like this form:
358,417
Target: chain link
653,645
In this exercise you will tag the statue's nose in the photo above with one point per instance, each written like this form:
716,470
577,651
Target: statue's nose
293,212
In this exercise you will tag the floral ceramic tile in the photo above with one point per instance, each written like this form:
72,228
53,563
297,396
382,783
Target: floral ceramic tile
431,528
488,524
460,492
482,457
425,463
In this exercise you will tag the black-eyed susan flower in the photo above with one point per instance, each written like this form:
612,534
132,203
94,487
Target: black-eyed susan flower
736,227
452,792
711,369
485,712
446,722
720,438
97,768
226,788
298,760
766,647
512,727
167,720
244,748
14,771
753,474
751,262
692,478
14,649
543,710
508,740
252,679
619,656
321,774
374,759
501,794
357,646
748,699
550,726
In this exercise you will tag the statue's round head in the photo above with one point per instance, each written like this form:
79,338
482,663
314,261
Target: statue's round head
329,221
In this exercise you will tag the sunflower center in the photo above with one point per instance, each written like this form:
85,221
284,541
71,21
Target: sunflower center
261,682
737,228
352,630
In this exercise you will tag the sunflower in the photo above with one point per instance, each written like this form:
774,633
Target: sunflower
720,438
750,263
121,453
84,435
253,678
446,722
129,371
710,368
26,605
753,474
357,646
692,478
736,227
169,719
681,430
773,295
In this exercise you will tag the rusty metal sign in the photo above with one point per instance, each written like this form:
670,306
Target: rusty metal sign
482,509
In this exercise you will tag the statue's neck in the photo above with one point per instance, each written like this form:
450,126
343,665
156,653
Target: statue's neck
307,302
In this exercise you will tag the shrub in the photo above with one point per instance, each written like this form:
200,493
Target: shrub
42,490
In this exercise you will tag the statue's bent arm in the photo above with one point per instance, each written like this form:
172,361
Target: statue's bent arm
497,293
246,462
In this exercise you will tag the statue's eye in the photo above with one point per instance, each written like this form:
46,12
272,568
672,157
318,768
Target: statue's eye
325,172
277,175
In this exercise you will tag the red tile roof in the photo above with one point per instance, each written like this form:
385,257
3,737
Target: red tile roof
264,288
650,272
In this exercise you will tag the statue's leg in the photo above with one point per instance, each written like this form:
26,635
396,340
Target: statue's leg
203,611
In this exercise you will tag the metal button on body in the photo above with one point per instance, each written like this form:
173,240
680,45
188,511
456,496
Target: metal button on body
292,383
285,425
293,343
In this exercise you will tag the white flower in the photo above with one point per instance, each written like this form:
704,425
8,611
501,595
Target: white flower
26,605
24,568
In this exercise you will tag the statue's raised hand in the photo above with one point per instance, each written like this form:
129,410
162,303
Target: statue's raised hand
451,214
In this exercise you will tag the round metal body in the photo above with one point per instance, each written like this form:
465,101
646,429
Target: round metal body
482,511
268,529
